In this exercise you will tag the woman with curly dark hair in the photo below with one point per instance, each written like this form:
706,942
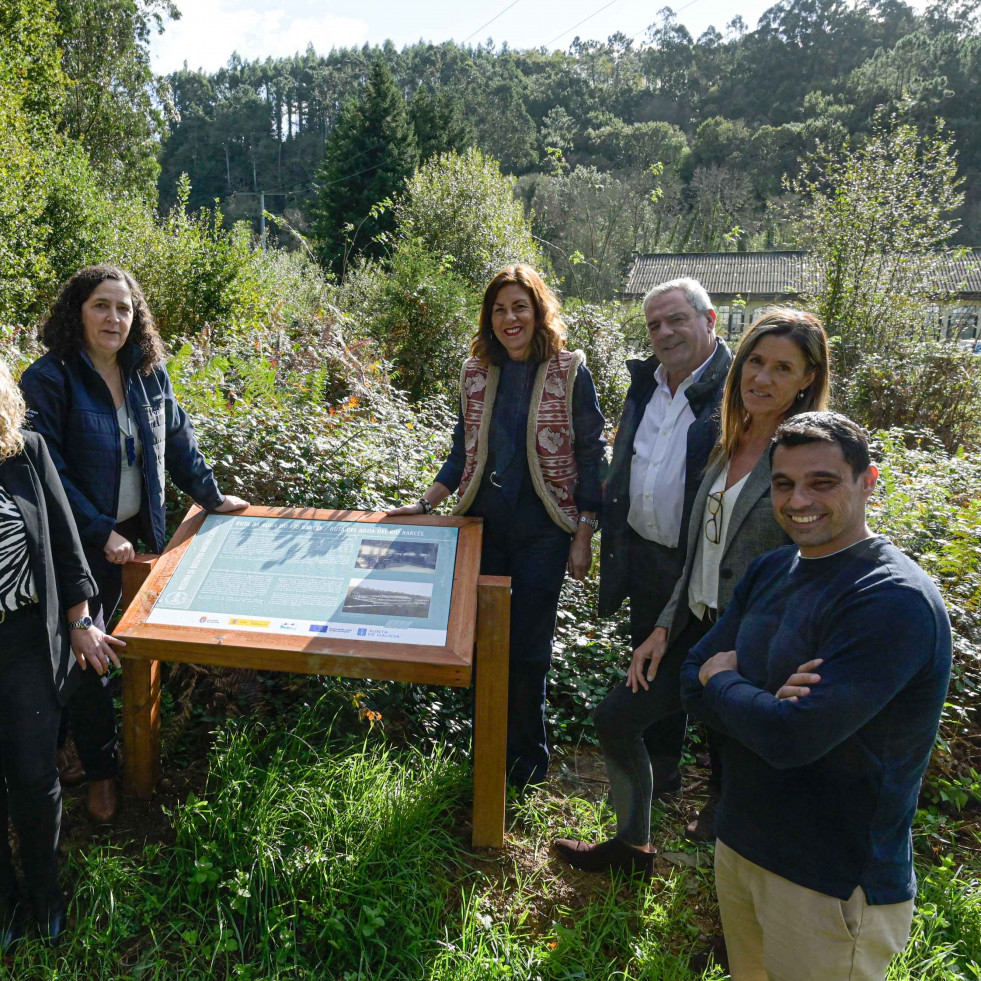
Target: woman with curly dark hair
527,454
103,402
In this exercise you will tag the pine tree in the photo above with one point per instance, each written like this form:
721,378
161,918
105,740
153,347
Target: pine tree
368,155
440,123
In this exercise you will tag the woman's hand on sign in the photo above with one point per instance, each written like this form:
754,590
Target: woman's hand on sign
435,496
118,550
231,503
406,509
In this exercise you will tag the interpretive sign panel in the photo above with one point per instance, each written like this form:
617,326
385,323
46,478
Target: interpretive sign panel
344,593
380,583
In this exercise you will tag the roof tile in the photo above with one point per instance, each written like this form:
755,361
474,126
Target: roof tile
785,273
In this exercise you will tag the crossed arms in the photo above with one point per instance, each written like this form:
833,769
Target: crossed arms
869,648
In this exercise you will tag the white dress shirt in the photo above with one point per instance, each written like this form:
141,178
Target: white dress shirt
703,587
657,470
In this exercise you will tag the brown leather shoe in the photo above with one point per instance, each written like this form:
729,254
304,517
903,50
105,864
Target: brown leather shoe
70,770
608,856
103,800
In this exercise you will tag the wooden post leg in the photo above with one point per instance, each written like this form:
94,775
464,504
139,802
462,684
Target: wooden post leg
490,723
141,726
141,701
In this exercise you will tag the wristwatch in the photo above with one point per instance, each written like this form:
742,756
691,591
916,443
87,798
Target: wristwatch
84,623
427,506
592,522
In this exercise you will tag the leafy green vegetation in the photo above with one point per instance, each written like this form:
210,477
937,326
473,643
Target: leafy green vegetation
326,835
725,115
375,136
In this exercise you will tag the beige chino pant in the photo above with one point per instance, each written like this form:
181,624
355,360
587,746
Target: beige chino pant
776,930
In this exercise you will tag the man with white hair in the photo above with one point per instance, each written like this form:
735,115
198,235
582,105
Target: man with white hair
667,430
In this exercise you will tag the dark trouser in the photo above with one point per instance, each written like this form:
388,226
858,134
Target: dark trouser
622,720
30,794
524,543
90,709
653,570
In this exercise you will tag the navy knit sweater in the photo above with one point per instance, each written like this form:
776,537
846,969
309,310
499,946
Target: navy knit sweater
822,791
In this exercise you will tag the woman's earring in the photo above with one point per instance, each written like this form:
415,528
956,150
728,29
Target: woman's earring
800,394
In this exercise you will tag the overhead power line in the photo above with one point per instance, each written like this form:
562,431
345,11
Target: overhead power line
348,177
491,21
583,21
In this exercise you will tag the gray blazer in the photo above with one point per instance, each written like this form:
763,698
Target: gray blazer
752,531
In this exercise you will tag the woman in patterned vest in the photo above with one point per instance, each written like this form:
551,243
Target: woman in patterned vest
527,454
45,585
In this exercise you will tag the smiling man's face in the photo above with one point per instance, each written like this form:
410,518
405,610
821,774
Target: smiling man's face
682,338
817,500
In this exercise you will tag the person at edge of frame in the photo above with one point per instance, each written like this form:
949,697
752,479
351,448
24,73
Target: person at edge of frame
527,456
826,677
667,429
103,402
45,585
781,368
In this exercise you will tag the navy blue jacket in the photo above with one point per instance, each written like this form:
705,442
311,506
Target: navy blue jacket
704,397
61,575
822,791
71,407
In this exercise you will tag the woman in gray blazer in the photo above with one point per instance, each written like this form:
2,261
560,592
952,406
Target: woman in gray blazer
780,369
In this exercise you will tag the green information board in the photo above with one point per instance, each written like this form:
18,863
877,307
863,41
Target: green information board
377,582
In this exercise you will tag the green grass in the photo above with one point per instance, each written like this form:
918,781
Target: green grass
309,856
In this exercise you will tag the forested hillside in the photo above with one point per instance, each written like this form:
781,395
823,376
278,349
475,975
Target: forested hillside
309,828
722,118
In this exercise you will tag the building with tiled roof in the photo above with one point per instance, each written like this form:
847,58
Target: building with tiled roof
743,285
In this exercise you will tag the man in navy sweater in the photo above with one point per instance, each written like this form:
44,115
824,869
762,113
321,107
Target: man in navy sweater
826,676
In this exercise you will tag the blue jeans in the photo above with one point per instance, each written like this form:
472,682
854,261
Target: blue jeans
523,542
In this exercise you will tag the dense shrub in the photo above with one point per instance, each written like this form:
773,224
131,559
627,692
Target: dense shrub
462,209
19,347
264,423
877,220
53,216
929,504
598,331
923,387
418,312
195,272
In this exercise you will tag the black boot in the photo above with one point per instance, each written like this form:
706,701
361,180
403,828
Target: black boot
51,915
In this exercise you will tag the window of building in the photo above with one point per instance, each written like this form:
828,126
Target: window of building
962,323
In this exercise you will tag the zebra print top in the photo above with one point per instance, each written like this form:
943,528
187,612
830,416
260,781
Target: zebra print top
16,578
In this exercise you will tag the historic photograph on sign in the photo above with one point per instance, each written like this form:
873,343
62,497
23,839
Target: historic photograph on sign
397,556
390,598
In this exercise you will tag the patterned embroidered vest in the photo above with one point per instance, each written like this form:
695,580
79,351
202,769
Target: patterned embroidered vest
550,437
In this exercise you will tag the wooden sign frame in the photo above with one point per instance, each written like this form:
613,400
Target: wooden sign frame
479,611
